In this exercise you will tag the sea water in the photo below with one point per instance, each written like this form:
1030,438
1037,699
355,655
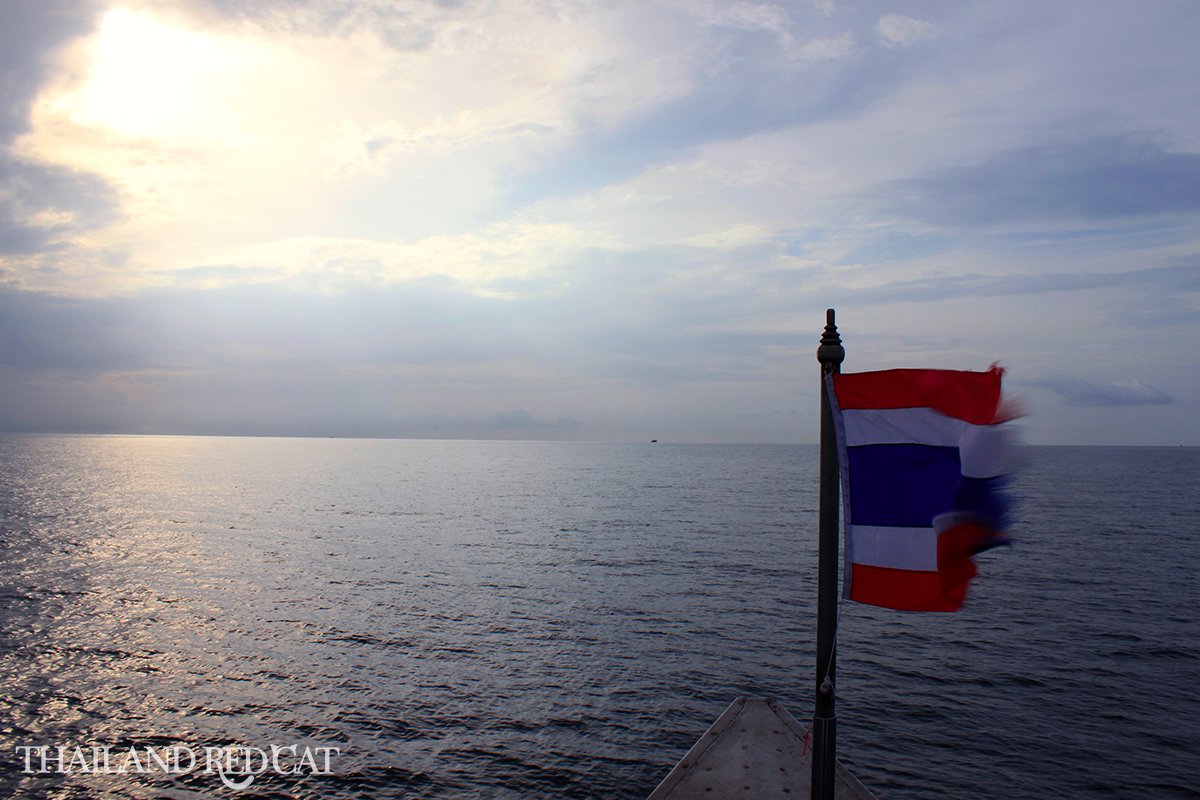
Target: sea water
458,619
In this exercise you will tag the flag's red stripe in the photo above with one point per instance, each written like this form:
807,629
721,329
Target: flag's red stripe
912,590
970,396
901,589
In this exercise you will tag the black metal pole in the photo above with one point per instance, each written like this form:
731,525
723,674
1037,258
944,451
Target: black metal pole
830,355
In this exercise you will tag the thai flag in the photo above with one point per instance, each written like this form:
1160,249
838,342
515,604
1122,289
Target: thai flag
924,461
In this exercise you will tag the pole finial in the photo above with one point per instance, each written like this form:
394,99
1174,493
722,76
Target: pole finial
831,353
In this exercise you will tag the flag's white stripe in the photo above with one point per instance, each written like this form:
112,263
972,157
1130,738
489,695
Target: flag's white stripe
901,426
983,449
986,451
897,548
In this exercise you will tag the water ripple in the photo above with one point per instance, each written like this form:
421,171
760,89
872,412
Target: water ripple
527,620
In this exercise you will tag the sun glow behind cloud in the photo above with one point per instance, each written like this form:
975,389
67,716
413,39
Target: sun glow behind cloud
227,140
196,131
148,79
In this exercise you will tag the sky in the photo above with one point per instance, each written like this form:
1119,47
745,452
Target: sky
614,221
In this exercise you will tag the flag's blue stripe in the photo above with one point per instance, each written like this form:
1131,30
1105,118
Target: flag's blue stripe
985,498
903,485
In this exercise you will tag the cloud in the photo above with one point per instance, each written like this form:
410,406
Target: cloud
29,39
745,72
517,420
425,359
765,94
895,30
411,26
1096,180
42,205
1165,280
426,356
1078,392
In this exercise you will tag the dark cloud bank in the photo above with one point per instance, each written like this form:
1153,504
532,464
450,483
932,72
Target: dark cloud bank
1098,179
30,36
1078,392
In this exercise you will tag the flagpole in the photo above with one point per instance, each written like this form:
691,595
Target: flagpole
830,355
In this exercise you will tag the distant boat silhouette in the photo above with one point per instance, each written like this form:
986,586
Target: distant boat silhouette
654,441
